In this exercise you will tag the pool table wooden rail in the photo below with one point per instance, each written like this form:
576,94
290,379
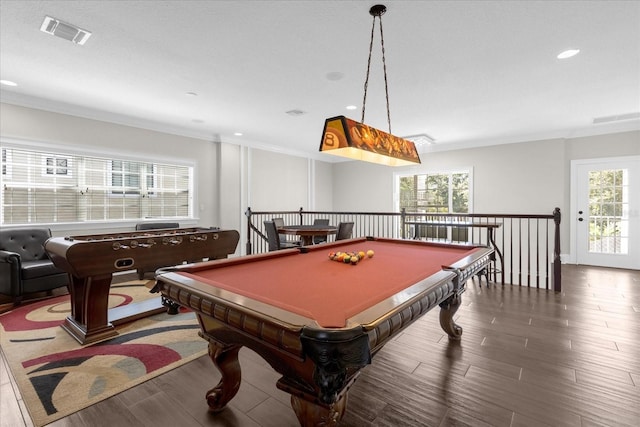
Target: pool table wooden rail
317,364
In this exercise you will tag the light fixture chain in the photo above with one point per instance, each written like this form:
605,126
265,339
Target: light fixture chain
384,67
366,80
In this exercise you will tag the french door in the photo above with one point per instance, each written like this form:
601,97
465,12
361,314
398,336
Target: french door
606,211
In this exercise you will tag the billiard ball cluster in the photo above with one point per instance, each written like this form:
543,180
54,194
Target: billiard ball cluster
350,257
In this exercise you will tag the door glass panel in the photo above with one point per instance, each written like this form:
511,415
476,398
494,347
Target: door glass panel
609,211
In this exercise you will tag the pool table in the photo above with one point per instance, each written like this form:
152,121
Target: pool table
317,321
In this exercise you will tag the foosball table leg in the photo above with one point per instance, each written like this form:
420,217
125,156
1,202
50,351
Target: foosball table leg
172,307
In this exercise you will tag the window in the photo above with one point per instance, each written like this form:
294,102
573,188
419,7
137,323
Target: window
41,187
609,211
57,166
435,192
6,169
132,177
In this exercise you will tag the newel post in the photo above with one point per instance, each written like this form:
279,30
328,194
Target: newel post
557,272
248,245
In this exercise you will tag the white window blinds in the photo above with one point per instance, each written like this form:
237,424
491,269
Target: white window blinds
41,187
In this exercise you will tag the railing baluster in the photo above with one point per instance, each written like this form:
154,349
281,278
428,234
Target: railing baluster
520,252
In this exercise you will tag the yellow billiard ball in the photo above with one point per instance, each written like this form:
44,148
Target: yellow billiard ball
370,253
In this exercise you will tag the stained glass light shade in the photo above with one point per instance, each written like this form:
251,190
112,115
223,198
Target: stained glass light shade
354,140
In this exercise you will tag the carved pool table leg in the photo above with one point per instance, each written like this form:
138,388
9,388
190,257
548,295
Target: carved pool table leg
311,415
225,357
447,309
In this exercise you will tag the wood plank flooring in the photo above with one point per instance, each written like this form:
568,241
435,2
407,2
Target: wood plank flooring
527,358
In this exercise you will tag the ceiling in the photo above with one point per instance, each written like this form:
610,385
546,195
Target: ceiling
466,73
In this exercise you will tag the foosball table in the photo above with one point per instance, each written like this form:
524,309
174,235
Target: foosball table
91,261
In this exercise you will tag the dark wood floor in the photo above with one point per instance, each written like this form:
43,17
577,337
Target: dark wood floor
527,358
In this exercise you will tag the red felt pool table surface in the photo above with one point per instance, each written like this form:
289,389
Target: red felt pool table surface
330,292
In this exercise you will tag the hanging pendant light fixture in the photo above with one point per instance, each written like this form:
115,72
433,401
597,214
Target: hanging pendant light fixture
355,140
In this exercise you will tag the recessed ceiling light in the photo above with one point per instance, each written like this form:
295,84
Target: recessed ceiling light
351,107
8,83
237,133
568,53
335,76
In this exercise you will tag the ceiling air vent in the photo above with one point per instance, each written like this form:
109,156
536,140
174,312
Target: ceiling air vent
616,118
65,31
421,139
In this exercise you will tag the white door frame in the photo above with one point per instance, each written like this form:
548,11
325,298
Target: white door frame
573,214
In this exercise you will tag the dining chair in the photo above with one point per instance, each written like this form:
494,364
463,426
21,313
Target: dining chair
345,229
283,237
274,240
322,222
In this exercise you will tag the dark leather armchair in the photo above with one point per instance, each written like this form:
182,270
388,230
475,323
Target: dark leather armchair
25,266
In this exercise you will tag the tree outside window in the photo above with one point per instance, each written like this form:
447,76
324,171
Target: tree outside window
435,193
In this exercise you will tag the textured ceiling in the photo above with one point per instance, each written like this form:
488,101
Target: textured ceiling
466,73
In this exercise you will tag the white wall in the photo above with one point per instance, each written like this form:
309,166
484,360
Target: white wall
363,187
528,178
228,177
611,145
523,178
232,186
322,186
74,133
513,178
277,181
531,177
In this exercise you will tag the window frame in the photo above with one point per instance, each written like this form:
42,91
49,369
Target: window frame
143,178
435,233
55,168
6,160
186,169
418,172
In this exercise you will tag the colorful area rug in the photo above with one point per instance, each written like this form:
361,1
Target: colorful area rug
57,376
